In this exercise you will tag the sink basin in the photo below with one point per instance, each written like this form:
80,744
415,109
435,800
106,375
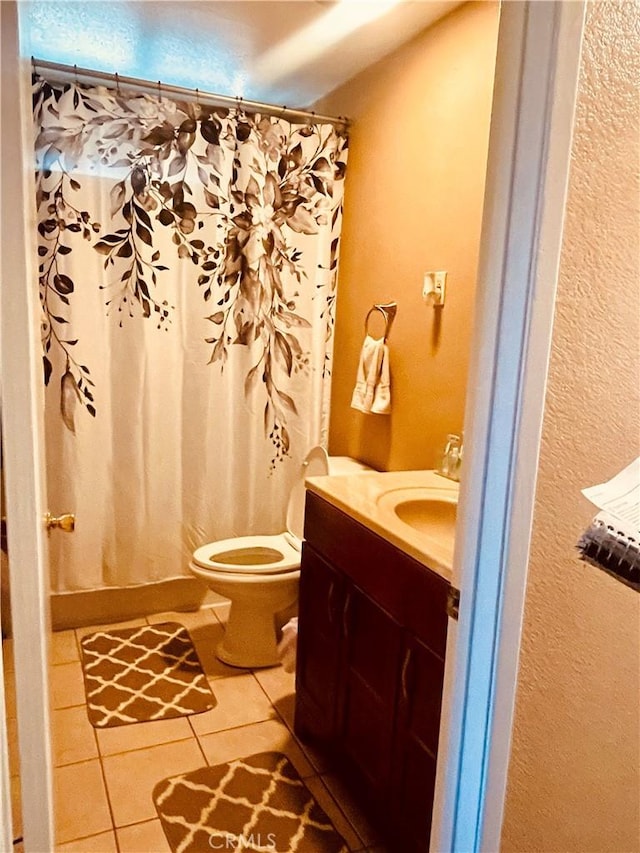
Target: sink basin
429,512
434,516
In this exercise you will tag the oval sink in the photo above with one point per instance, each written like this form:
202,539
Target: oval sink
430,512
433,516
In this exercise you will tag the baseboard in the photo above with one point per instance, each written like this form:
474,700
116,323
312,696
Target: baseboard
105,606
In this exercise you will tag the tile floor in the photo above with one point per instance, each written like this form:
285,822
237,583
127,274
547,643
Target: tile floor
116,769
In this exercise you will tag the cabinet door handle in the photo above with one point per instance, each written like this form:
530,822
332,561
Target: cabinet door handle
332,589
345,614
404,675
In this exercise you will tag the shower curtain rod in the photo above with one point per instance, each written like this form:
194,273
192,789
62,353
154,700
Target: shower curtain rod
66,73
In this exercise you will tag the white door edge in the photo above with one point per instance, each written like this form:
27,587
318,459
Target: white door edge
6,823
23,436
529,157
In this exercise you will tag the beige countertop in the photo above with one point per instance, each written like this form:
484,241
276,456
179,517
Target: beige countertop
373,499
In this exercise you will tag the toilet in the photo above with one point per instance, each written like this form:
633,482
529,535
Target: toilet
260,574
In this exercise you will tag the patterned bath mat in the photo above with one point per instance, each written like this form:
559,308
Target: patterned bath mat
258,803
134,675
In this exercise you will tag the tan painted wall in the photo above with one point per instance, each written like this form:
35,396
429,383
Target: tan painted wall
574,780
414,191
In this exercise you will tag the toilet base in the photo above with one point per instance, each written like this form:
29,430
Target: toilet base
257,601
250,640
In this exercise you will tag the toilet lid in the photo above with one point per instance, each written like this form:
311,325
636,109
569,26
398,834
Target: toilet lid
315,464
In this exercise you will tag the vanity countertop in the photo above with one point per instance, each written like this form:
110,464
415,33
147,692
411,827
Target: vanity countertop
379,499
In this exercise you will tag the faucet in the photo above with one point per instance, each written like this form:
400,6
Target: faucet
451,460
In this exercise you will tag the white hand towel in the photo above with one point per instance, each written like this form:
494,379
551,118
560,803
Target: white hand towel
372,393
382,395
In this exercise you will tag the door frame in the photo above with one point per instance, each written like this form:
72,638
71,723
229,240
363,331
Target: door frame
22,399
537,69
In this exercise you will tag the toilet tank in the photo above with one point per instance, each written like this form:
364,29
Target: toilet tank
346,465
316,464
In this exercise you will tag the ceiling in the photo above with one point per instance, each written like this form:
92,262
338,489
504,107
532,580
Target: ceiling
280,51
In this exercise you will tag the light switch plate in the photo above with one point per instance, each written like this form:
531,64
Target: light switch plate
434,287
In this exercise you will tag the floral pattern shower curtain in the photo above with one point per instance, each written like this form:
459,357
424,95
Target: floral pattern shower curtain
187,269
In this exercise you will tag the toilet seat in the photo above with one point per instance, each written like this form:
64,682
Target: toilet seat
243,556
250,555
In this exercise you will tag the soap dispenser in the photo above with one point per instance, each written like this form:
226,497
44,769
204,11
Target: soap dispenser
451,457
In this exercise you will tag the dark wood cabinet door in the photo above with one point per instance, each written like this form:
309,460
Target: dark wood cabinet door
373,644
319,652
416,742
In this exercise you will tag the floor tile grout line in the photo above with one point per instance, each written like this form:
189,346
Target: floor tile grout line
78,645
134,749
68,707
282,716
195,734
262,687
233,728
85,837
137,823
289,728
106,788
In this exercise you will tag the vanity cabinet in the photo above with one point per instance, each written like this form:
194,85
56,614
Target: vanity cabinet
371,644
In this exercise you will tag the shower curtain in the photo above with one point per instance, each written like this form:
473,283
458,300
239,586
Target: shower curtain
187,269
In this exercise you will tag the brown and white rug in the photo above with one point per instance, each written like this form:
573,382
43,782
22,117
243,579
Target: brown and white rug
258,803
134,675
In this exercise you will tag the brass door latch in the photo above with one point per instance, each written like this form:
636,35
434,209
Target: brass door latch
66,522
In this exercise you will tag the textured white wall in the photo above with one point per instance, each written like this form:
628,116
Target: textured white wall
574,780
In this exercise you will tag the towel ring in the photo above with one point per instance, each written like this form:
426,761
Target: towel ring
388,311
